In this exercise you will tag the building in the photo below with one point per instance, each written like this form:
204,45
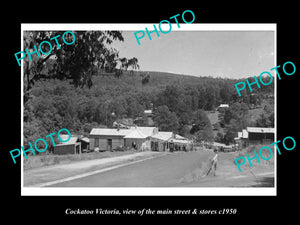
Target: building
261,135
140,138
106,139
222,106
85,144
179,143
73,146
255,135
135,139
109,139
159,141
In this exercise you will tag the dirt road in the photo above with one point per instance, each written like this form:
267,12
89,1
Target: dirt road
181,169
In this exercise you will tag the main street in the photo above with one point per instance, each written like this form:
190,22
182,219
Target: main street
164,171
180,169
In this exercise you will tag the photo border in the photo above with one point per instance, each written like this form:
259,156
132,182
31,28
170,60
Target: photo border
153,191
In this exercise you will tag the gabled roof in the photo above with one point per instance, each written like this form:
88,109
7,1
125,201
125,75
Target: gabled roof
136,134
72,140
85,139
260,130
178,137
109,132
162,135
148,131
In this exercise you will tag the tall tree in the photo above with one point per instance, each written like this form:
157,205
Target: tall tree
77,62
165,119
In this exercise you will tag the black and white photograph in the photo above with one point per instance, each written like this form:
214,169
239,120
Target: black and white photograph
121,111
162,113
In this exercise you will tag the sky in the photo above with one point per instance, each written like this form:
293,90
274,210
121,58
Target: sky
227,54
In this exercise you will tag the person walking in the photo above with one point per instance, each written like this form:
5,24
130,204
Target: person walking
215,162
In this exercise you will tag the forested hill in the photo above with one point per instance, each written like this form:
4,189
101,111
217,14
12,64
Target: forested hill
56,104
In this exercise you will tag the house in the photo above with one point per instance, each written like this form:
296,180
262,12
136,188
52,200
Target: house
140,138
106,139
73,146
148,112
255,135
168,141
159,141
261,135
85,144
179,143
135,138
109,139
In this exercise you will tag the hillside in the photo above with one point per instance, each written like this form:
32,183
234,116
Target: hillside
178,101
158,80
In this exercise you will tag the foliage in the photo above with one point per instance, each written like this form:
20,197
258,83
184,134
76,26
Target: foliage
178,102
90,53
165,120
202,128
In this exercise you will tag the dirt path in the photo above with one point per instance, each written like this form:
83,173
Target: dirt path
56,172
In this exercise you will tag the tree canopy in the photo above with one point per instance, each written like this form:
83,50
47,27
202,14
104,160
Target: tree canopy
90,53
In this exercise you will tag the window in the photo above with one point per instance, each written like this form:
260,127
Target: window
96,142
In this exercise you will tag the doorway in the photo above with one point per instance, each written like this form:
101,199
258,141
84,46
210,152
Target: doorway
109,144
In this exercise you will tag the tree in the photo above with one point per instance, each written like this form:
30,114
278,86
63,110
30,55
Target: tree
236,111
165,119
200,122
202,128
262,121
225,93
145,79
170,97
210,98
205,134
77,62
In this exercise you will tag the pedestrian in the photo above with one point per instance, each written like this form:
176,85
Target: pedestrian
215,162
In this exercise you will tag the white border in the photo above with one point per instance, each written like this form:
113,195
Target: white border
167,191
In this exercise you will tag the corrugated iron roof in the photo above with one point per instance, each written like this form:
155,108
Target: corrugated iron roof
72,140
148,131
136,134
109,132
85,139
261,129
163,135
178,137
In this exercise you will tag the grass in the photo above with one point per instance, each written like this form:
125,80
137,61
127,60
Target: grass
201,170
51,159
250,152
